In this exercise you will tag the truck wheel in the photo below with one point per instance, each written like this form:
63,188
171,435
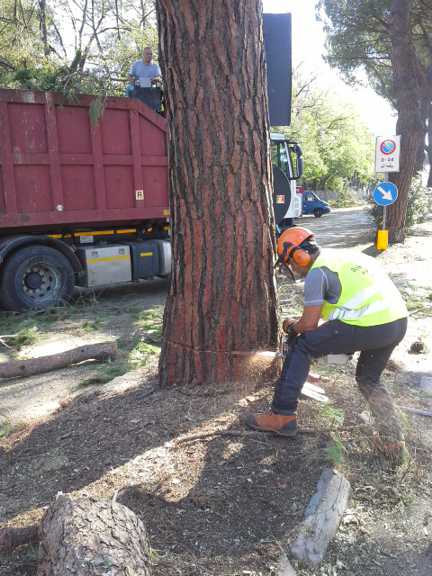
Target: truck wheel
36,277
318,212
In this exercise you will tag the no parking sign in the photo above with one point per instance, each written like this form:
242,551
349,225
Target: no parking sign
387,154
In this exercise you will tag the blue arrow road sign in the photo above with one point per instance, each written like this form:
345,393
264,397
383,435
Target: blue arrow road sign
385,193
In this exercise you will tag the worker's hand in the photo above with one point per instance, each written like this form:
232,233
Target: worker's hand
287,324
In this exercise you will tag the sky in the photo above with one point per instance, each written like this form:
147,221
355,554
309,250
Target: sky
309,49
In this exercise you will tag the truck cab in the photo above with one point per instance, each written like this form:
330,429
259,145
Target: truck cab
312,204
287,162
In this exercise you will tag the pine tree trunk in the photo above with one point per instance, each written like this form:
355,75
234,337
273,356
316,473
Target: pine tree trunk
222,302
408,93
429,146
86,537
421,154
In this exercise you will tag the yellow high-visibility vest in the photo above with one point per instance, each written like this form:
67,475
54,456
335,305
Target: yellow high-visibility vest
368,296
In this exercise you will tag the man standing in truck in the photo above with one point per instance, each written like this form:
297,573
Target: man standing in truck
363,311
144,73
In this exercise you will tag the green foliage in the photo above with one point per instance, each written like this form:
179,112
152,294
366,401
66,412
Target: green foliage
335,452
141,353
87,48
334,416
151,321
96,110
5,427
136,352
359,40
24,337
337,146
418,207
91,325
105,374
419,202
345,199
26,333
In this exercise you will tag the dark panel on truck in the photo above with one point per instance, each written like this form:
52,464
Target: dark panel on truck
277,41
145,259
281,194
57,168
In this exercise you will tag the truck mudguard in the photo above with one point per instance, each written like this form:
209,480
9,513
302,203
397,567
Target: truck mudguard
10,244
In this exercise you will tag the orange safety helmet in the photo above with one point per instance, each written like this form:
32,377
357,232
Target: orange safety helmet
288,246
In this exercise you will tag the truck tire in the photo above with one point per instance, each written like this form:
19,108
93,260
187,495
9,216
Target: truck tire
318,212
36,277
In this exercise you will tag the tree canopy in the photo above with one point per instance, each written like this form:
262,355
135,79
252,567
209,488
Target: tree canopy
391,40
358,39
336,143
79,46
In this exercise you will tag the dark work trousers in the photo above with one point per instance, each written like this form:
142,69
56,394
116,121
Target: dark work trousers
375,343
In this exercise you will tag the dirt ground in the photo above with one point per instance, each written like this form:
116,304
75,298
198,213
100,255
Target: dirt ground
218,500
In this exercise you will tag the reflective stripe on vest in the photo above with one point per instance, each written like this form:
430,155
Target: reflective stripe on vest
368,296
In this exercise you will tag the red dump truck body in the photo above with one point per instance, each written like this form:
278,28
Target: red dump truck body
57,169
86,204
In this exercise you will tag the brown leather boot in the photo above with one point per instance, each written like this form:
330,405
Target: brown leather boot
270,422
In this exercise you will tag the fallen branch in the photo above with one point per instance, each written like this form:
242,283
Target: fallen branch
240,433
215,433
21,368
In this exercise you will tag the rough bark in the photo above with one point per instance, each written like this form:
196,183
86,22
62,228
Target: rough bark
421,153
86,537
23,368
429,146
408,90
222,298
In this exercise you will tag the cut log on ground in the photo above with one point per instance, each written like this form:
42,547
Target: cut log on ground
22,368
322,517
88,537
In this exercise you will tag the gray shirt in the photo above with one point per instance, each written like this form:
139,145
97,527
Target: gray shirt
144,72
321,284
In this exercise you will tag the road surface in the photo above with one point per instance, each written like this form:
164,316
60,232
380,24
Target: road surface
342,228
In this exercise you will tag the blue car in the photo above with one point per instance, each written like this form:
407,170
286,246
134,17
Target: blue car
312,204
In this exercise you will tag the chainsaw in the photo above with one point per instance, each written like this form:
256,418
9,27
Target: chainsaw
288,340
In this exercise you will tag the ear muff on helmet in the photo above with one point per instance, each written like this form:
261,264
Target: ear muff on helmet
301,257
300,254
295,242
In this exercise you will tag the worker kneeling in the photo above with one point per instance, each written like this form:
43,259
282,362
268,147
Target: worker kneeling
363,311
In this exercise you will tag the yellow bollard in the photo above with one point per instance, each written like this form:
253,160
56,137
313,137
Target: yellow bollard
382,240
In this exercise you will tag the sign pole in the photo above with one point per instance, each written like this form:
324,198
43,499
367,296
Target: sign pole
386,179
387,156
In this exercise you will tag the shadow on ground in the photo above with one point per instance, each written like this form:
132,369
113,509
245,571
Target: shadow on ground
249,497
224,499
